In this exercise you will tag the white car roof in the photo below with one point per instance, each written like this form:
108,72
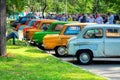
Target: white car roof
102,25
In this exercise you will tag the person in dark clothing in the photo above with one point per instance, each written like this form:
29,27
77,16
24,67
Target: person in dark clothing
105,20
83,19
116,19
11,35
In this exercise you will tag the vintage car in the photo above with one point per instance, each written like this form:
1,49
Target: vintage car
58,42
21,20
54,28
36,25
20,30
30,23
95,41
18,25
44,24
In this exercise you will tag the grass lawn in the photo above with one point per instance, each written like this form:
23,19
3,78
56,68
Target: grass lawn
28,63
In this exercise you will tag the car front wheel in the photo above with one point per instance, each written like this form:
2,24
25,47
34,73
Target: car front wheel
60,51
84,57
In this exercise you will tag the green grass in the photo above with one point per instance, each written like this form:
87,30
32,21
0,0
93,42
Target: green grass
28,63
24,62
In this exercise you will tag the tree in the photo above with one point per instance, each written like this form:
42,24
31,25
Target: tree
44,8
2,27
95,9
59,6
15,6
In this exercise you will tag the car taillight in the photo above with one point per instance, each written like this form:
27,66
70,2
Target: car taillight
27,35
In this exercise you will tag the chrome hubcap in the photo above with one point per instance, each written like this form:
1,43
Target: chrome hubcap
62,51
84,57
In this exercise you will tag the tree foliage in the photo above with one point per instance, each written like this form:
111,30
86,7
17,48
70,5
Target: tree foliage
15,6
59,6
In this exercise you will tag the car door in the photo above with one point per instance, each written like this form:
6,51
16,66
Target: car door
94,40
112,42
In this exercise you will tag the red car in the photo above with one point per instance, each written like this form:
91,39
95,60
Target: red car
17,27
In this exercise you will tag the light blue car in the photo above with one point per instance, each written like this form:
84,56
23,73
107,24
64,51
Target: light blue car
95,41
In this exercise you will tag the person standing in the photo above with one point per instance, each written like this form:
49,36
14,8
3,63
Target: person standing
105,19
99,19
70,18
84,19
110,18
91,19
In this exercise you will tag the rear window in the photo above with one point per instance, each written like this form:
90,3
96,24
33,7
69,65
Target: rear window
58,27
72,30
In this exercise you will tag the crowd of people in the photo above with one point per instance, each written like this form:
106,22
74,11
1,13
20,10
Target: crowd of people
109,18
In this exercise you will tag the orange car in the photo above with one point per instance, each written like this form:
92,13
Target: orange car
43,23
58,42
36,25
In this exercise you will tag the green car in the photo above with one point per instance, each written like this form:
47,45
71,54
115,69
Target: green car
54,28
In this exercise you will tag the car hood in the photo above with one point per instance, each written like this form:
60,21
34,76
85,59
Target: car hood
72,38
49,36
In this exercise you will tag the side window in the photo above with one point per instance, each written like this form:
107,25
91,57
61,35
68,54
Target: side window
37,24
93,33
45,26
113,33
58,27
72,30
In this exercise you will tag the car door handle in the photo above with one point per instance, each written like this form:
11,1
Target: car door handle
78,44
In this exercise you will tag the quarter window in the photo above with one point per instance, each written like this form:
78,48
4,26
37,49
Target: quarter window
113,33
58,27
93,33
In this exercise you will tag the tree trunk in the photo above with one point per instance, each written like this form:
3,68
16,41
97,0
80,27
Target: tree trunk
96,5
43,11
2,27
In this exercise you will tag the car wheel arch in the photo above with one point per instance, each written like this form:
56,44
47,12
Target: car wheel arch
84,56
83,50
56,52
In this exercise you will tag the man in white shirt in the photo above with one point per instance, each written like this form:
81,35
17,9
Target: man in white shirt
99,19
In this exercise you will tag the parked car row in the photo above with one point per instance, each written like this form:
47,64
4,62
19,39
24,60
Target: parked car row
58,42
85,41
